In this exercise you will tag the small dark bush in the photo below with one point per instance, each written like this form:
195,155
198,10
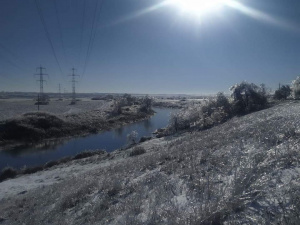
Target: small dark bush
112,192
283,92
216,111
65,159
73,198
97,98
137,151
31,170
51,164
93,130
117,107
248,98
33,126
7,173
86,154
146,105
83,155
222,102
143,139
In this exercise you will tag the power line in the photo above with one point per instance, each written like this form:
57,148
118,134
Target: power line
90,39
9,51
47,33
60,29
15,56
12,63
92,36
82,28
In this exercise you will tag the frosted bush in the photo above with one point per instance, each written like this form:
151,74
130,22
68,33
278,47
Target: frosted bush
132,137
296,87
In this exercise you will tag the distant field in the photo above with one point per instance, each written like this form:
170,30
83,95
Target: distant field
13,107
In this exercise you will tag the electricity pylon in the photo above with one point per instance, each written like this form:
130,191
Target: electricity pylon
41,79
42,99
73,86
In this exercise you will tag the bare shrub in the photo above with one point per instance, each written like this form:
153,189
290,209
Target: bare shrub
117,107
30,170
34,126
248,98
76,196
283,92
84,154
144,138
114,189
132,137
51,164
7,173
146,105
138,150
296,87
205,116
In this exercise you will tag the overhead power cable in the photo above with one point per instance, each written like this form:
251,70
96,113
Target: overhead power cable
15,56
82,28
11,63
40,12
60,29
92,35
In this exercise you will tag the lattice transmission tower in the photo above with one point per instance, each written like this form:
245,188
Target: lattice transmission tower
42,98
73,75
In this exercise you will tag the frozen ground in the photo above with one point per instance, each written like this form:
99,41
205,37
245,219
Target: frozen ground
13,107
245,171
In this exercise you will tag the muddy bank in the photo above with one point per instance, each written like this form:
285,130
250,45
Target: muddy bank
38,126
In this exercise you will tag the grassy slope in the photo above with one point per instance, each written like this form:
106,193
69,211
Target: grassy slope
36,126
245,171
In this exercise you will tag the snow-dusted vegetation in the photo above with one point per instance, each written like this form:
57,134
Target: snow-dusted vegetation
70,120
14,107
243,171
245,98
296,87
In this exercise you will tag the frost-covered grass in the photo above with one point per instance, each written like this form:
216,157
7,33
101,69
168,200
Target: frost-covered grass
14,107
67,120
245,171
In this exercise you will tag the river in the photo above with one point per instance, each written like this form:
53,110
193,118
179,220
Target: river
109,140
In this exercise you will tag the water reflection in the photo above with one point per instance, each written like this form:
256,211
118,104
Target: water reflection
148,125
32,155
42,147
119,131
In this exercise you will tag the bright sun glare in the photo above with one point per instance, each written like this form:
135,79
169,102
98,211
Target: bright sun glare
198,7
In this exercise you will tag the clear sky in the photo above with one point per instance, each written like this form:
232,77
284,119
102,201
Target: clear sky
148,46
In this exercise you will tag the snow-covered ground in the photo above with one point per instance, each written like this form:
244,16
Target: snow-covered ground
245,171
10,108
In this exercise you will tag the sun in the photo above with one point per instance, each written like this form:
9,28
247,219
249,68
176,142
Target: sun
198,7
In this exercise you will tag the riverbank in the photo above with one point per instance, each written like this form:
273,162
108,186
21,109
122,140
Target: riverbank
38,126
245,171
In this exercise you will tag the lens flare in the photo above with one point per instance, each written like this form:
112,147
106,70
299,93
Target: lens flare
198,7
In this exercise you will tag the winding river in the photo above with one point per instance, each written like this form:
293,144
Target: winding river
108,140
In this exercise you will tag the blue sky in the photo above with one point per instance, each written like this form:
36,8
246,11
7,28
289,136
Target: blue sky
136,50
